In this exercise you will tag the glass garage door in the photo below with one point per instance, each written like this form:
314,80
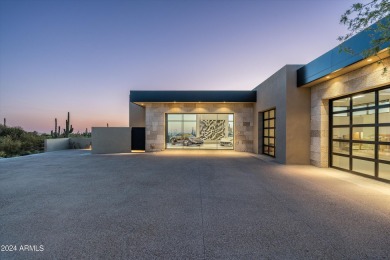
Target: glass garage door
360,133
269,132
199,131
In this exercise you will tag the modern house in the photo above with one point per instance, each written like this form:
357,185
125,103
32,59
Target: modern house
331,112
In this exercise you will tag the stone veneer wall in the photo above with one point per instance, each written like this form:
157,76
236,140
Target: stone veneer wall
155,121
368,77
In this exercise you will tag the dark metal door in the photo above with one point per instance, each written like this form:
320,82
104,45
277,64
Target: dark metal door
138,138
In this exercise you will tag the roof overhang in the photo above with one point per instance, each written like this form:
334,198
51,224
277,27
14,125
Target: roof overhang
337,62
140,97
357,65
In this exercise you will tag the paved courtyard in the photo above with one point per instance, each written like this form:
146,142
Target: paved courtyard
201,205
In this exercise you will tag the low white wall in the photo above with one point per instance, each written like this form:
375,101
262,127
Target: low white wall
56,144
111,140
80,142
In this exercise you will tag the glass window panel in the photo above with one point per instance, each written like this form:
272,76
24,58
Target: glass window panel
266,115
384,115
266,132
231,129
363,133
384,152
363,166
341,119
363,150
384,134
272,123
174,134
341,133
340,161
190,117
363,117
363,100
341,104
384,96
272,151
266,141
272,132
184,131
272,113
340,147
230,117
384,171
189,128
272,141
266,123
175,116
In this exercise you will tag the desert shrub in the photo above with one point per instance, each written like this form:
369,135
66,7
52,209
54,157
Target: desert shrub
15,141
10,146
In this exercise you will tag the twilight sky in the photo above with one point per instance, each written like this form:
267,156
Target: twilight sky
84,56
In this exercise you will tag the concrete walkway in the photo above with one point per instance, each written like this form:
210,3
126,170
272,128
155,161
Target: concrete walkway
201,205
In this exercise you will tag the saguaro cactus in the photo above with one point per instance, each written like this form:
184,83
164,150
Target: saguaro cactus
55,134
68,127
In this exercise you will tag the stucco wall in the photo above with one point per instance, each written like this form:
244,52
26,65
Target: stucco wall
292,104
155,121
56,144
368,77
136,115
80,142
111,140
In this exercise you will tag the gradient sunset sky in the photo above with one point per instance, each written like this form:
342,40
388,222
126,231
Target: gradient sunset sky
85,56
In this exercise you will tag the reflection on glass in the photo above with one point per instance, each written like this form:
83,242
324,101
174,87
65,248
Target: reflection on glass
341,119
341,104
384,96
384,115
340,147
384,171
363,150
363,100
341,133
363,133
363,117
363,166
384,152
384,134
175,116
340,161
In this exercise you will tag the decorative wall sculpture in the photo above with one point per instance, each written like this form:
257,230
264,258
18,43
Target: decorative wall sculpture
212,129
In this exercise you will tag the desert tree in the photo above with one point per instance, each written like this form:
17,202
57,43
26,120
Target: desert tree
360,17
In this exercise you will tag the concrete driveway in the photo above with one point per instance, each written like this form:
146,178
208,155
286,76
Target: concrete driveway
201,205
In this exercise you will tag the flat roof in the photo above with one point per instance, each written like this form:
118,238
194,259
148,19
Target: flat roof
137,96
335,59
